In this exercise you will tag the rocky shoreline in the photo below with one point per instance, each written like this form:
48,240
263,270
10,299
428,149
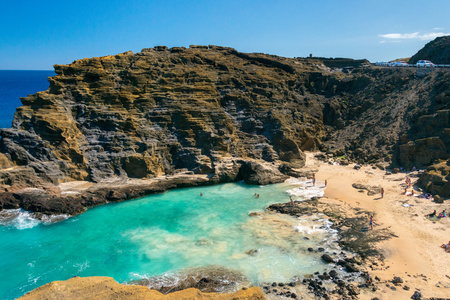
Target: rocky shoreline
99,288
208,108
345,281
350,274
123,126
75,197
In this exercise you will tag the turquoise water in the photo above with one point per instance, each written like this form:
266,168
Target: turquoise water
163,233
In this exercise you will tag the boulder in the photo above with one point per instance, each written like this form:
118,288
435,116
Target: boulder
8,201
438,199
253,172
422,152
397,280
416,296
436,179
326,258
371,190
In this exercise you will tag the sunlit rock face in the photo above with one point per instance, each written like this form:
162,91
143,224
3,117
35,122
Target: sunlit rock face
107,288
151,113
213,110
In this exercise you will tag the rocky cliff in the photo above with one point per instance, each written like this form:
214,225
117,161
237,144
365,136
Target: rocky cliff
215,112
438,51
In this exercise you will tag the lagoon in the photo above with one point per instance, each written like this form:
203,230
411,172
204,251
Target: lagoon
162,234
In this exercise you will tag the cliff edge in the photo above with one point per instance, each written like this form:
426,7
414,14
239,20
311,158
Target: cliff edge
133,124
100,288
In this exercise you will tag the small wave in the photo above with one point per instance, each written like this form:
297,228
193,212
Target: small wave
317,227
305,193
82,266
22,219
306,188
300,180
50,219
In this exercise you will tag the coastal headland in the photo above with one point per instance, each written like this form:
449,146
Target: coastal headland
123,126
216,112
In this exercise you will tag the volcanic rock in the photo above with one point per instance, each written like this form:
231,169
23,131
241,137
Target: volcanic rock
214,111
436,179
437,51
327,258
106,288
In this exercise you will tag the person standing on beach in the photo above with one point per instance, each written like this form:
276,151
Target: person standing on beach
314,179
382,192
325,183
371,222
292,201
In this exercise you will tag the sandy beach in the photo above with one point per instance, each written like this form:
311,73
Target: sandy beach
414,254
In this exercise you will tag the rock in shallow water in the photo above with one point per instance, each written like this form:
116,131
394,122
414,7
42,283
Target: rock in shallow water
206,279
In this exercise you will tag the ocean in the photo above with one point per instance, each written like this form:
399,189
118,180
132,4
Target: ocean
16,84
162,237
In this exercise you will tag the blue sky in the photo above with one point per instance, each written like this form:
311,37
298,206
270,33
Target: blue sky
34,35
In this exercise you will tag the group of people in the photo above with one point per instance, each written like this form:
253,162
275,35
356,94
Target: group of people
446,247
406,192
408,184
256,195
314,180
426,196
442,214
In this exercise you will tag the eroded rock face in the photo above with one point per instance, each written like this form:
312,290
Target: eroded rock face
148,114
212,110
436,179
431,139
437,51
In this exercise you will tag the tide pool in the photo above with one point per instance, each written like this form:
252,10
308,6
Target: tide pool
163,233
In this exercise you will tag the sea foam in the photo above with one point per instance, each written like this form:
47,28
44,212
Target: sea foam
305,189
22,219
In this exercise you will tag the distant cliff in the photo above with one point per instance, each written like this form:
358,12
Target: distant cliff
214,111
437,51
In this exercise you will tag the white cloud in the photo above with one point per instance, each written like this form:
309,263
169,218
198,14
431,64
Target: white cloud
414,35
